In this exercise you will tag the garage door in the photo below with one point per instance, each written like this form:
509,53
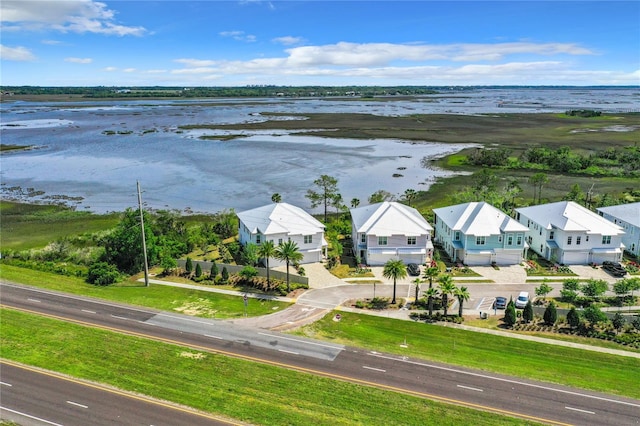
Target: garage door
575,258
412,258
477,259
508,257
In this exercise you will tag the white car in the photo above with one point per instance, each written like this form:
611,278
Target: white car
522,300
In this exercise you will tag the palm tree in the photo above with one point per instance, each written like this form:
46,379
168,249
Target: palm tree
355,202
276,198
432,293
417,282
395,269
447,287
462,293
430,273
265,251
288,252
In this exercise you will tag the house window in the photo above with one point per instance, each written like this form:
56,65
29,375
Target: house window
551,235
279,241
382,241
308,239
519,240
518,216
578,240
510,240
587,239
411,241
499,238
258,238
480,241
606,239
569,238
363,238
457,236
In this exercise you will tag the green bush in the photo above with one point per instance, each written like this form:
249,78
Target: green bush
103,274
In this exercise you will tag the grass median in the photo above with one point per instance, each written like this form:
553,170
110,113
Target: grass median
248,391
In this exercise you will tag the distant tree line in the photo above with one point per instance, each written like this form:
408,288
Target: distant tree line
216,92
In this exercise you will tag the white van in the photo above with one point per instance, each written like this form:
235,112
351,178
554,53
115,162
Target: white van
522,300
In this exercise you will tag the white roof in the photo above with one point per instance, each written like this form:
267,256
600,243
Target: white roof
478,218
570,216
279,218
629,213
390,218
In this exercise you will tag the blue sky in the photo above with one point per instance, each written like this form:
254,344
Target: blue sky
250,42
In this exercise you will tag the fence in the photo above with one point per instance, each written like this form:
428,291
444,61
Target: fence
234,269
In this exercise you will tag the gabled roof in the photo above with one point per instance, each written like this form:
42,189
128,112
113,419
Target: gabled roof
389,218
280,218
629,213
478,218
569,216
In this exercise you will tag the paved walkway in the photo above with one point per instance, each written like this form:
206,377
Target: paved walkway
328,293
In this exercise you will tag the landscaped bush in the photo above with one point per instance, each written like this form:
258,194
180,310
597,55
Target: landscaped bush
103,273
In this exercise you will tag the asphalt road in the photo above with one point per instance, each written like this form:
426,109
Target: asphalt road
502,394
33,397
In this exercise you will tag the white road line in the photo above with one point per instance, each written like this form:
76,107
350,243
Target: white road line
88,311
6,384
301,341
30,416
76,404
214,337
579,410
122,318
374,369
288,352
470,388
33,300
515,382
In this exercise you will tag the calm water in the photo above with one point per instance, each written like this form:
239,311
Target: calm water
179,171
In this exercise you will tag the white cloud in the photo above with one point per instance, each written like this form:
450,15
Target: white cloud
110,69
51,42
238,35
79,60
15,53
195,62
288,40
79,16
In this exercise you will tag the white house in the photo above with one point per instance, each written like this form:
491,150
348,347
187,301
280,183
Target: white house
390,230
628,217
280,222
567,233
477,233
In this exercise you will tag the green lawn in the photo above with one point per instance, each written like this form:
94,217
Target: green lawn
193,302
251,392
556,364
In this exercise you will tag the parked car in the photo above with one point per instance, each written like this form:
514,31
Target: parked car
614,268
522,299
500,303
413,269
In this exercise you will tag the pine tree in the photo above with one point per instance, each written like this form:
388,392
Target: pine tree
225,274
198,270
510,314
188,265
550,314
527,312
214,270
573,318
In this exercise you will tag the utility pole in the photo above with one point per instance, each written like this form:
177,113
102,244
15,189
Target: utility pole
144,240
588,197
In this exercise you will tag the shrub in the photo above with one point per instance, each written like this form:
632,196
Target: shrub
510,314
103,274
214,270
188,265
594,315
225,274
573,318
550,314
198,270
